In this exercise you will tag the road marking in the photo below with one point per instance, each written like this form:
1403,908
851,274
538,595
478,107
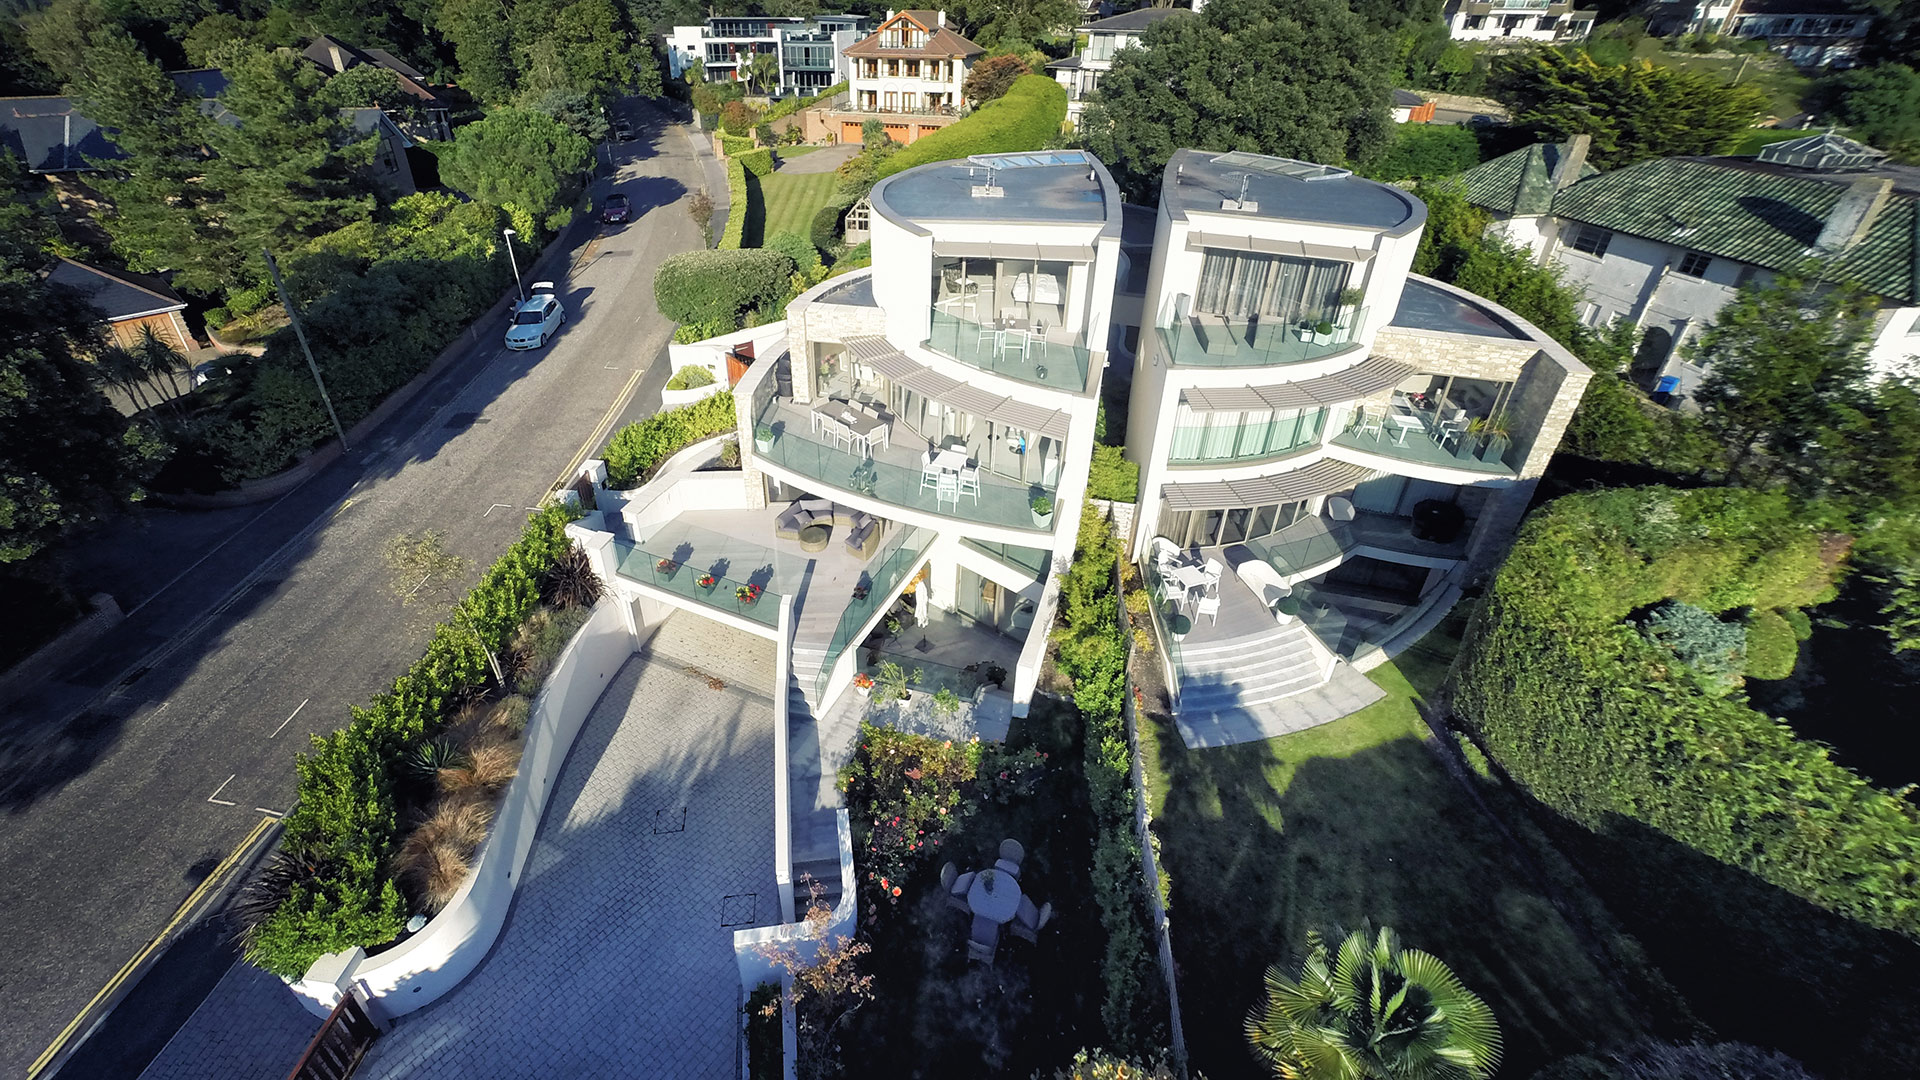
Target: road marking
186,907
288,720
599,431
497,506
275,814
342,508
218,790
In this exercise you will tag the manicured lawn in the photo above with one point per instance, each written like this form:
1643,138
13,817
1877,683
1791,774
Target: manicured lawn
781,203
786,152
1783,82
936,1015
1359,820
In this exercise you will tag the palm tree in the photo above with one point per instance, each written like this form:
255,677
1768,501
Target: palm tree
117,366
1374,1011
158,356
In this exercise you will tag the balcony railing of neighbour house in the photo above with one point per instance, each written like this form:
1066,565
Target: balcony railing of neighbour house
1303,545
883,575
666,568
893,472
1031,352
1206,340
1418,435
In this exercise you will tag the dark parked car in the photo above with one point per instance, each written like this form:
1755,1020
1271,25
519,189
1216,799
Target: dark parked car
616,210
622,130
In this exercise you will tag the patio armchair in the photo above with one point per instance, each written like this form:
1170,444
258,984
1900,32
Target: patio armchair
863,540
1026,922
976,952
800,514
1011,851
948,875
957,894
1008,867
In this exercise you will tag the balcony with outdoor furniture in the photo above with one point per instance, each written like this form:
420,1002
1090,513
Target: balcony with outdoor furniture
1438,420
1013,318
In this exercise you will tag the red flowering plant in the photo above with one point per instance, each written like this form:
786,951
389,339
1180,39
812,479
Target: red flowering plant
1007,774
905,792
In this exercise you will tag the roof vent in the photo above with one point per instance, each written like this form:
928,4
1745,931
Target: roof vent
991,189
1241,204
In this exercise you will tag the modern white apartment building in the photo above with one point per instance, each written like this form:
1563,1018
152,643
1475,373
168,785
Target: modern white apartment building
810,50
1518,20
1329,446
1666,243
1080,73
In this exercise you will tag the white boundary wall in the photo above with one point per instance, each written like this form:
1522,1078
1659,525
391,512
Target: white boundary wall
434,961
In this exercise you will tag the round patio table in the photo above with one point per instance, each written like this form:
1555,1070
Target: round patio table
999,902
814,538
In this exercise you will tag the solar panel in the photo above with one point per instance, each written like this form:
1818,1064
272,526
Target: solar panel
1299,170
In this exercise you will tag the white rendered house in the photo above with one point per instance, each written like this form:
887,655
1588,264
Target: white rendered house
1080,73
1337,444
810,50
911,66
1517,20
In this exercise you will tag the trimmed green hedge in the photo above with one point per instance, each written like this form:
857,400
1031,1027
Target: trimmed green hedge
637,449
735,145
345,821
1029,114
1772,648
757,162
719,287
736,205
1599,725
795,104
1112,476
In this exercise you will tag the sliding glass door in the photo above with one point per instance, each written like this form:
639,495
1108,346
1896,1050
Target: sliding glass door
1227,525
1237,284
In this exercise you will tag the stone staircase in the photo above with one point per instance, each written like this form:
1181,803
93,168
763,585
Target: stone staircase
1242,674
813,796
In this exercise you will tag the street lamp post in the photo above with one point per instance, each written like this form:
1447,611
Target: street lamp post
517,290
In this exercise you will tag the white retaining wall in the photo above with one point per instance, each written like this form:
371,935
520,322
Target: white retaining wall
432,962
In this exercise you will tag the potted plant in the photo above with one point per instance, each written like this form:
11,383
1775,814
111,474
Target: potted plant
863,682
1042,507
1285,610
667,567
748,593
1323,332
1349,302
1492,434
708,581
763,438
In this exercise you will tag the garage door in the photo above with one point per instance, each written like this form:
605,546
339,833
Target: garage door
898,133
849,132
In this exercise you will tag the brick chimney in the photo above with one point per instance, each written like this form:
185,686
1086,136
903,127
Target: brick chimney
1573,158
1851,217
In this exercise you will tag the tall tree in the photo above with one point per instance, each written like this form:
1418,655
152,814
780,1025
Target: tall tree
990,78
60,34
1374,1011
289,167
1014,23
519,159
1633,111
1305,79
481,33
1881,104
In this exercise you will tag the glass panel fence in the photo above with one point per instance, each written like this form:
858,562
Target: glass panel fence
883,577
749,599
1204,340
1030,351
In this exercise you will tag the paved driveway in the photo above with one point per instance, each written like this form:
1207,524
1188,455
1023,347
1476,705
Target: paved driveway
617,959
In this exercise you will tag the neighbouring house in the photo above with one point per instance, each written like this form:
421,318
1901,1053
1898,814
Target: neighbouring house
1330,446
1411,108
1517,20
129,302
432,110
391,170
1810,33
810,50
908,74
1080,73
1667,242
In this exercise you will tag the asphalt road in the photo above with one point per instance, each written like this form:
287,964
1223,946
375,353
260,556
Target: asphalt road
130,775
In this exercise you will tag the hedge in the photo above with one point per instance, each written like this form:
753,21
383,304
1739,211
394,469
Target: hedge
345,820
736,205
793,105
1025,118
1599,725
637,449
1772,647
1093,654
757,162
735,145
720,286
1112,476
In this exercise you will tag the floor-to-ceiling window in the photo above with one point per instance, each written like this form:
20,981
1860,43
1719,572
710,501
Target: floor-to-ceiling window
997,447
1232,435
1238,284
1227,525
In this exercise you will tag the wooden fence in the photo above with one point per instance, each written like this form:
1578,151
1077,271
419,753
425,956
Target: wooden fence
342,1041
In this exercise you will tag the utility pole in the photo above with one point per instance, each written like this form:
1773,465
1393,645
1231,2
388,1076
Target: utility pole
273,270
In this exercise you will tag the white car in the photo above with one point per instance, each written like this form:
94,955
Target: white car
536,319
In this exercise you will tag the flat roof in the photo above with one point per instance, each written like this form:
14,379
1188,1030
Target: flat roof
1059,186
1428,307
1282,189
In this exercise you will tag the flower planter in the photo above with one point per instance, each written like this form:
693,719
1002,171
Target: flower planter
667,568
763,446
1042,521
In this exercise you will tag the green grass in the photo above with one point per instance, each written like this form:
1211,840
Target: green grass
1752,141
781,203
786,152
1358,820
1786,87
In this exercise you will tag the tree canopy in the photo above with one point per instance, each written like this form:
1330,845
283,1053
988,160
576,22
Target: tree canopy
1305,80
1633,111
1881,104
519,159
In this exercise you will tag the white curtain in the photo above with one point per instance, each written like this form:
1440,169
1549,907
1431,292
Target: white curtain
1238,284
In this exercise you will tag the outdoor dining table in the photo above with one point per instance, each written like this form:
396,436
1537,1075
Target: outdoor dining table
995,895
1189,579
952,459
861,428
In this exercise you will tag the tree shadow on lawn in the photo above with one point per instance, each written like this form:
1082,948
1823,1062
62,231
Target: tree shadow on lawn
934,1014
1264,842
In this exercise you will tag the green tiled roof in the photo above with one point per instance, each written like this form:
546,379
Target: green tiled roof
1735,210
1520,182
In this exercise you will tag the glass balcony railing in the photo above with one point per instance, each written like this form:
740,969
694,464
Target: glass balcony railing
749,599
1302,545
1216,443
1167,617
1238,341
1419,438
1030,352
895,474
883,576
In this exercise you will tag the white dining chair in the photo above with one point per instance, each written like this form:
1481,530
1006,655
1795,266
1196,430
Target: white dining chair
949,488
929,473
1213,569
1020,341
970,483
1210,604
991,336
1372,421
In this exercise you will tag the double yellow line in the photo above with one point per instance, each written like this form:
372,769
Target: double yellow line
180,915
598,433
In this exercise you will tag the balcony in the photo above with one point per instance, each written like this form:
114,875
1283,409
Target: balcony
1233,341
1416,436
892,470
688,567
1235,443
1030,351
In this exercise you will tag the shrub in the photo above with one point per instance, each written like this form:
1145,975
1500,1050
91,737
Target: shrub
571,581
1591,720
488,768
766,1050
510,716
824,229
1419,151
345,821
719,286
1113,476
732,147
805,256
635,450
1798,620
1714,649
737,118
541,641
757,162
991,78
1772,646
436,858
1025,118
690,378
907,791
794,104
736,206
1101,1065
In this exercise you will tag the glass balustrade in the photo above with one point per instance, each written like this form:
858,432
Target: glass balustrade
884,575
749,599
1030,351
1207,443
1204,340
1417,436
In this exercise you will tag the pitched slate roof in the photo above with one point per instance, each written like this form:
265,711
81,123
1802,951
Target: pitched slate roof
1750,212
940,41
50,135
1135,20
117,293
1520,182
